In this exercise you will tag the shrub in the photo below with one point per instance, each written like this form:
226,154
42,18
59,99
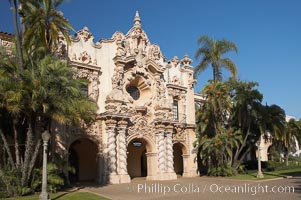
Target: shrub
10,183
221,171
54,181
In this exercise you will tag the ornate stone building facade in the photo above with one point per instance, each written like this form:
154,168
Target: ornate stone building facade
145,125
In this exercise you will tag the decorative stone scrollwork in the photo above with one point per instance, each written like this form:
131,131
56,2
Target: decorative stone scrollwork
84,34
119,39
93,129
160,97
155,52
175,80
140,127
117,79
186,61
175,61
84,57
179,134
6,45
92,77
61,48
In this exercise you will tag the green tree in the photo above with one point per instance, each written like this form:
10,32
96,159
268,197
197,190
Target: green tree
289,138
212,51
215,140
42,20
246,100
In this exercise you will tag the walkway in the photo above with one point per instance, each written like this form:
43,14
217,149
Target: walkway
202,188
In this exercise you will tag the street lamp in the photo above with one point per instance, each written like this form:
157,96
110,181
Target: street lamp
259,172
44,195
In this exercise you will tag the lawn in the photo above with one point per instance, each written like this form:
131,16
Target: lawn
64,196
251,175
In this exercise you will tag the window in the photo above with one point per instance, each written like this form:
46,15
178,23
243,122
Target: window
84,90
175,110
134,92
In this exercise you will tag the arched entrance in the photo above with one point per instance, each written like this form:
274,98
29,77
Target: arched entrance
178,158
83,158
136,159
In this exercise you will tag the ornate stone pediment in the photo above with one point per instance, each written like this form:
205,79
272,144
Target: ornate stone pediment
84,34
140,127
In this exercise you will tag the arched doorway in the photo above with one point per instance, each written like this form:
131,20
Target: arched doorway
136,158
178,158
83,158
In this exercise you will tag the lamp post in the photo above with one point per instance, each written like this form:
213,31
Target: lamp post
259,172
44,194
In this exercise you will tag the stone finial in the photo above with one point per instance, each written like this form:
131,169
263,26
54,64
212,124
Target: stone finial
186,60
137,20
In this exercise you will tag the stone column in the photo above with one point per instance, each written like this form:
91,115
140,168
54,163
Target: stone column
161,149
100,170
111,171
185,165
122,153
169,150
151,165
169,153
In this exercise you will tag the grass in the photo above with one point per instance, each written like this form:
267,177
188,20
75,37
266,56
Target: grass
64,196
251,175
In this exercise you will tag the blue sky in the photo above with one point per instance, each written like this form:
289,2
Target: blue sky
267,33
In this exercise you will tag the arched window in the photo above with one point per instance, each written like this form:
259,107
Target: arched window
134,92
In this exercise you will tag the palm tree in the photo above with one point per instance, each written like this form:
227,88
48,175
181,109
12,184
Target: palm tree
211,51
246,99
293,132
17,33
216,107
44,23
45,90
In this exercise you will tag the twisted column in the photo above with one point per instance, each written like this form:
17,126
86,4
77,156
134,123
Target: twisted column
161,151
122,167
112,164
169,153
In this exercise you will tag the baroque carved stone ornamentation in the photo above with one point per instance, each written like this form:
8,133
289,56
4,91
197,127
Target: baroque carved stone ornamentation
119,39
175,80
84,57
6,45
122,147
92,77
84,34
186,61
175,61
161,151
93,129
160,97
140,127
155,52
61,47
169,153
179,134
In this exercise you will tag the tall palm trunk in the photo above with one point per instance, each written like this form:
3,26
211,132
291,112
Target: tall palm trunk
6,146
286,155
17,153
17,35
34,157
27,156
